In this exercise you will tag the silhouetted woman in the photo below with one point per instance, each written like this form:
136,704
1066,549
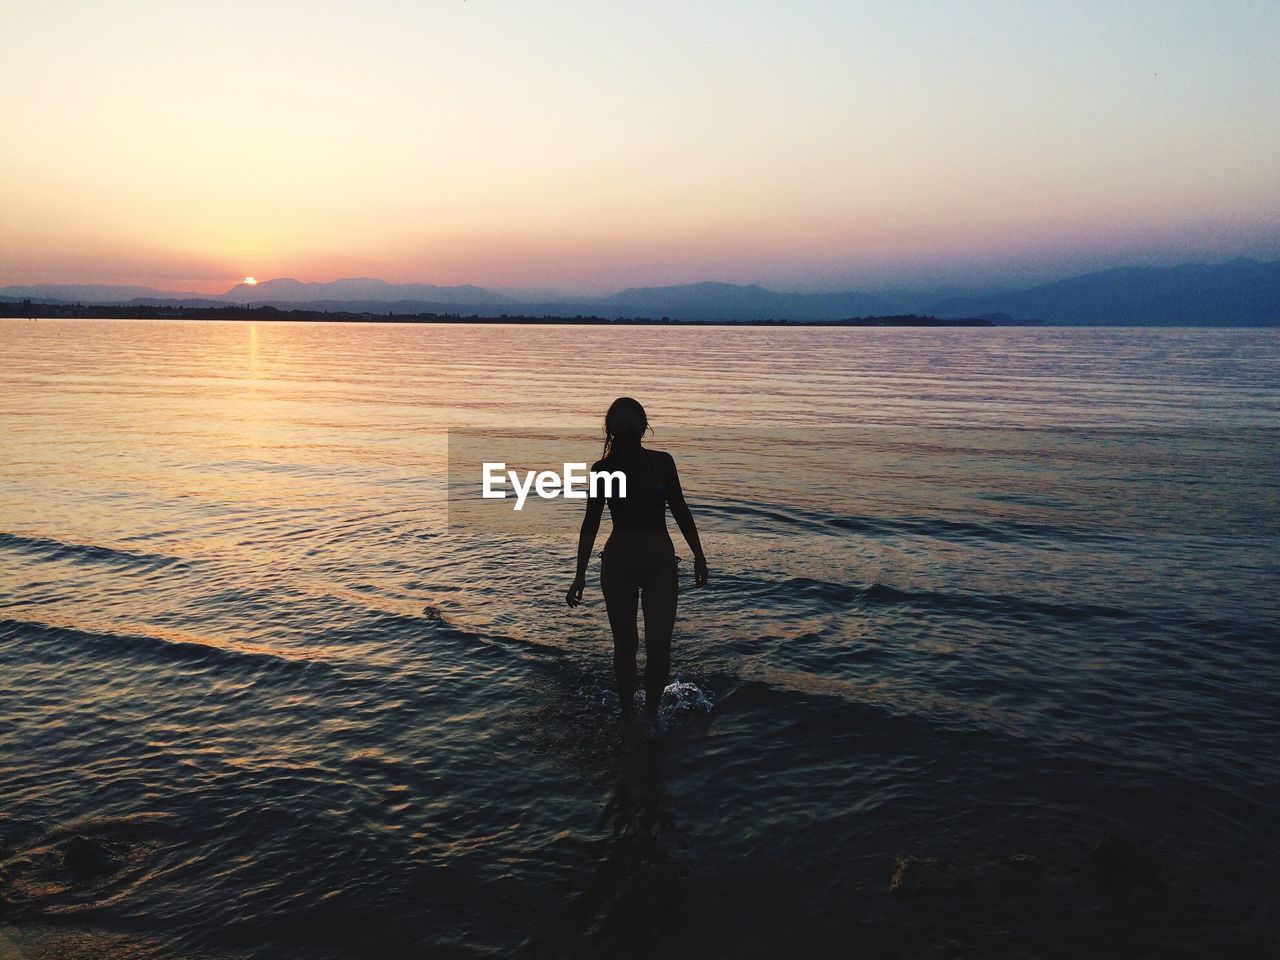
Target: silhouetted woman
638,563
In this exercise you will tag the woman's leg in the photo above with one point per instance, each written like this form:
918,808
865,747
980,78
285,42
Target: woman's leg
621,599
659,602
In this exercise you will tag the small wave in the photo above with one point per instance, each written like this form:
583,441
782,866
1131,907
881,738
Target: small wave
46,548
185,649
790,693
752,694
138,823
876,593
1004,531
448,623
992,603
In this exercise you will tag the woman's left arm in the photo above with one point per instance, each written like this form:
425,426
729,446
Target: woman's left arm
684,520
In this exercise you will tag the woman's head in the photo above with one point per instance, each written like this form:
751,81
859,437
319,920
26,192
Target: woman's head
624,425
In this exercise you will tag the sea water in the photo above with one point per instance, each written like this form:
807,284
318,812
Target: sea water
291,712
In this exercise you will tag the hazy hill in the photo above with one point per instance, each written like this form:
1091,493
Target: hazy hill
1241,292
425,306
726,301
287,290
89,293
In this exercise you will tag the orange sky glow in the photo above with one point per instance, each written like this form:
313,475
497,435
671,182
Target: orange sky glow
588,147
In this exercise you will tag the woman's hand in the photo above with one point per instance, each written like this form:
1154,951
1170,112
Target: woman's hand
574,596
700,571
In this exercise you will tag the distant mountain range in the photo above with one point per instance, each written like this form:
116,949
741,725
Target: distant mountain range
92,293
1241,292
360,288
726,301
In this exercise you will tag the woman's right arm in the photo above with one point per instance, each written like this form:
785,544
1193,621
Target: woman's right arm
684,520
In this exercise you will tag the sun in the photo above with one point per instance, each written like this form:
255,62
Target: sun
249,282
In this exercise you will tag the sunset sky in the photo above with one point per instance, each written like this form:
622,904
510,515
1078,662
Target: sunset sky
588,146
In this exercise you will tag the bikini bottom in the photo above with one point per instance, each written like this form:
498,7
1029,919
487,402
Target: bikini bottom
637,562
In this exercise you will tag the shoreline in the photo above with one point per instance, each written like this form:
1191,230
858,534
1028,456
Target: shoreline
28,310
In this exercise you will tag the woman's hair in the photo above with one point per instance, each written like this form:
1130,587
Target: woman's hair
622,403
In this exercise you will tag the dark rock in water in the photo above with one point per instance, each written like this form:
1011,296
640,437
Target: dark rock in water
1126,865
913,876
88,857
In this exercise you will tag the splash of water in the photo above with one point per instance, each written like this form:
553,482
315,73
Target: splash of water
679,698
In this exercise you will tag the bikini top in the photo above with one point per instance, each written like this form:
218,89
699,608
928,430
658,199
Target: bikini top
644,509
